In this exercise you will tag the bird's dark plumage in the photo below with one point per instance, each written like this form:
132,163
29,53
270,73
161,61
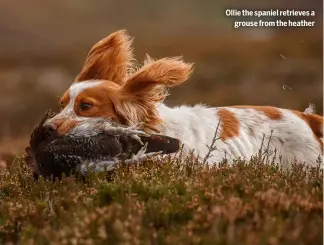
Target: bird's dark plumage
96,145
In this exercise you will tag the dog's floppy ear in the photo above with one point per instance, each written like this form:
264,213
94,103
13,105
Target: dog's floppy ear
147,86
166,72
109,59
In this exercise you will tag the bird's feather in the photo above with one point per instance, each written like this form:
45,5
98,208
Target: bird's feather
95,145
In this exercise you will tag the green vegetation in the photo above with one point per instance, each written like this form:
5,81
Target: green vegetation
165,202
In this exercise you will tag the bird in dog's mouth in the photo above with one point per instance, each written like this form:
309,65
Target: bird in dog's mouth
92,146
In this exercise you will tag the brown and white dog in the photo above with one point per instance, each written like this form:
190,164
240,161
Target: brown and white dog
110,87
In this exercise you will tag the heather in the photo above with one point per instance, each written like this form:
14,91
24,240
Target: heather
165,202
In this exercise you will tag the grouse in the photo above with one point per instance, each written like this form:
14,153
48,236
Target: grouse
93,146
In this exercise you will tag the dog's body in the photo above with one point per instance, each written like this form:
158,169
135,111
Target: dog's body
245,130
108,88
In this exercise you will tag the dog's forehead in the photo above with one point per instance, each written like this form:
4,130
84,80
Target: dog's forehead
78,87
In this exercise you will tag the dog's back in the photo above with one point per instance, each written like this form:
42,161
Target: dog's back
242,131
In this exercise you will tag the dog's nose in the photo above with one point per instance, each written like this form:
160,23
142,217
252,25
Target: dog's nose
51,127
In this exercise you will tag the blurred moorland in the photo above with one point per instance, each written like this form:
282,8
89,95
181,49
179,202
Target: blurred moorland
43,46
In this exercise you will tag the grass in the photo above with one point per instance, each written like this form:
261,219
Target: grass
165,202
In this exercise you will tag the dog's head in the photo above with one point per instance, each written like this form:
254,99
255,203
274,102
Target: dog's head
109,86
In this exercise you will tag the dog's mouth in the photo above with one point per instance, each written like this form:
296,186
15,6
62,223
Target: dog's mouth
95,146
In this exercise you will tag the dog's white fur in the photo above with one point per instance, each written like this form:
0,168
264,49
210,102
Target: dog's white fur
289,138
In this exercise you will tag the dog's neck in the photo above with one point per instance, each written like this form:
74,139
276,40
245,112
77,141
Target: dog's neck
179,120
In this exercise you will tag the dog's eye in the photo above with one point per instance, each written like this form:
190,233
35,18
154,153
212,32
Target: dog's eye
85,106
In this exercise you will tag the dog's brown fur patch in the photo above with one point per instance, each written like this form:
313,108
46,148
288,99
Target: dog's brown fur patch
315,122
229,123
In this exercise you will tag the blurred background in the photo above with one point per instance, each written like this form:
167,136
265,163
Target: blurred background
43,45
